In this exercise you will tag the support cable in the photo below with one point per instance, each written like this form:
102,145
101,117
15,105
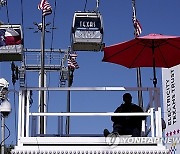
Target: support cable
54,15
22,23
9,133
7,13
97,5
85,5
22,18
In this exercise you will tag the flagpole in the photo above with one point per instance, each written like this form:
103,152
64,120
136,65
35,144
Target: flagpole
68,105
72,65
138,70
42,74
68,99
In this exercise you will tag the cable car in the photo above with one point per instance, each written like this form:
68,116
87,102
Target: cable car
87,31
11,43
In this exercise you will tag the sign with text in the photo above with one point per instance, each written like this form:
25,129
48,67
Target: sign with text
171,99
85,22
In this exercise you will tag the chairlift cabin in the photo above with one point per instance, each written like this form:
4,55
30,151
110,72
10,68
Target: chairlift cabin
11,43
87,31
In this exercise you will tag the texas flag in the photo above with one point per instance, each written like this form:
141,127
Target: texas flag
9,36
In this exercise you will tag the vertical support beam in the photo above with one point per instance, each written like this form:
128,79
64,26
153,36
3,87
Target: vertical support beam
68,105
60,125
22,113
44,105
42,75
68,98
20,116
143,129
45,101
160,122
34,126
152,122
27,113
157,123
2,134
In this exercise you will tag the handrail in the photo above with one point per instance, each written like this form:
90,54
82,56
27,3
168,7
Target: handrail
90,88
90,114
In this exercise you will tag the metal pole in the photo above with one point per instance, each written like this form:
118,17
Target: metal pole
2,134
139,84
42,75
154,64
97,4
138,70
68,105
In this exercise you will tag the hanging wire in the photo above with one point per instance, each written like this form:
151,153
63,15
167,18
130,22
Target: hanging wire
85,5
52,32
22,18
22,23
9,133
7,13
97,5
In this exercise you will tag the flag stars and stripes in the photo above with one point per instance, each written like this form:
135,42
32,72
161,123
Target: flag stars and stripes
137,26
45,7
72,63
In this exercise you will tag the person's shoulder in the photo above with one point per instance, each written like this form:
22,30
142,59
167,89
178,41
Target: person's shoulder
119,108
122,105
136,106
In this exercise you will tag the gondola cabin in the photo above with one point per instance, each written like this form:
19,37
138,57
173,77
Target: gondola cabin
87,31
11,43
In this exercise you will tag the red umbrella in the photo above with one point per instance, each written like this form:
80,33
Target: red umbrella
153,50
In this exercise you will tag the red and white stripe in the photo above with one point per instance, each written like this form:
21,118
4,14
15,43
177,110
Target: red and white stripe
45,7
137,26
72,64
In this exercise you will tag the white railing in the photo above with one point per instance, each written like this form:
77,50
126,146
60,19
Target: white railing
153,111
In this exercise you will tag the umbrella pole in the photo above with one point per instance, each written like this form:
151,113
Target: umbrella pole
139,84
154,64
154,72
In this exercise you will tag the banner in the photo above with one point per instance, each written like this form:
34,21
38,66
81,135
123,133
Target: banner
171,103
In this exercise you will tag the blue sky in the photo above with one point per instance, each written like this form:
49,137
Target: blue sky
155,16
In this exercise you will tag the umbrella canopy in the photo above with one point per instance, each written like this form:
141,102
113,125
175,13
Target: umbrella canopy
153,50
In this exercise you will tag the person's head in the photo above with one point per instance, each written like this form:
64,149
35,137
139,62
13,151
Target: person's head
127,98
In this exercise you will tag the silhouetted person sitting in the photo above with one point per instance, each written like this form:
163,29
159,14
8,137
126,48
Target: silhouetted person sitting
127,125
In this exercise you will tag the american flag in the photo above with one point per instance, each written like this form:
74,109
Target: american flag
137,26
45,7
72,63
